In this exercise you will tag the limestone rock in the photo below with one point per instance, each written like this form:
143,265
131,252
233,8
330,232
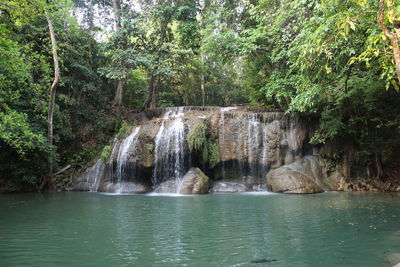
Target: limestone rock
394,259
301,177
195,182
166,187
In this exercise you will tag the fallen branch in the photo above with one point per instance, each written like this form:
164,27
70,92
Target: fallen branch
62,170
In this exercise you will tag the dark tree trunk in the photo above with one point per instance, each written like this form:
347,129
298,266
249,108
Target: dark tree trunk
151,96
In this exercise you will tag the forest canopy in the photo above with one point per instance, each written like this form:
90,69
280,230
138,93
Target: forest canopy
336,62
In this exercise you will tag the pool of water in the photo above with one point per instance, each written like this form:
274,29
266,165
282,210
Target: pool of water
91,229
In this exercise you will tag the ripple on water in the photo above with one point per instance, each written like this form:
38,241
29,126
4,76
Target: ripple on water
330,229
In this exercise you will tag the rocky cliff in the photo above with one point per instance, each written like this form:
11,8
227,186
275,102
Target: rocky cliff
238,148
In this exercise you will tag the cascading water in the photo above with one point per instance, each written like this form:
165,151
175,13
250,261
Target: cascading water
264,151
222,132
257,147
169,156
123,152
249,143
253,144
250,133
97,174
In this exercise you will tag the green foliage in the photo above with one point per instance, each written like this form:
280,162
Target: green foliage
25,80
123,130
105,153
200,142
197,135
210,152
328,60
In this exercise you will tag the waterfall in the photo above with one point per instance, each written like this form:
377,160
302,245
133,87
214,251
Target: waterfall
155,155
169,157
123,152
257,148
264,152
222,134
253,144
96,175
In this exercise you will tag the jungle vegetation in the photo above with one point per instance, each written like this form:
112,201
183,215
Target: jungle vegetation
71,69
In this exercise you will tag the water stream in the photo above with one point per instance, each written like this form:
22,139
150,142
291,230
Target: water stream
127,145
169,156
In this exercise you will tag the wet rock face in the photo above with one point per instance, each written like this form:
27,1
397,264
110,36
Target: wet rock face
195,182
248,144
304,176
90,179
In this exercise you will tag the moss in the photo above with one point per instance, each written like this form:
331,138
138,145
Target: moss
213,153
197,136
105,153
123,130
200,141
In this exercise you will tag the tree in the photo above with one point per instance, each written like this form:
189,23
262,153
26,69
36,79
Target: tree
394,38
120,82
52,101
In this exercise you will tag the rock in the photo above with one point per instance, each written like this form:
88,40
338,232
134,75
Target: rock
228,187
79,186
301,177
394,259
250,142
89,180
195,182
166,187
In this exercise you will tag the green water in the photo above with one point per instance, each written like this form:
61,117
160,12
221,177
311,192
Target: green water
90,229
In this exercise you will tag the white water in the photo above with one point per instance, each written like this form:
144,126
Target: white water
169,155
96,173
253,143
228,109
123,152
257,147
222,134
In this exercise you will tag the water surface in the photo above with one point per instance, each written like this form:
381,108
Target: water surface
91,229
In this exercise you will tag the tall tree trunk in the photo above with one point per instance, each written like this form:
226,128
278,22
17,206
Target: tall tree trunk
203,90
116,5
150,99
50,181
119,93
394,38
378,163
202,84
153,93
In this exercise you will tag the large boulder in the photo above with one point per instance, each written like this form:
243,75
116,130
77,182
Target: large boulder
303,176
195,182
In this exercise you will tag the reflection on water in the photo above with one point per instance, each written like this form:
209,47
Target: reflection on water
330,229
